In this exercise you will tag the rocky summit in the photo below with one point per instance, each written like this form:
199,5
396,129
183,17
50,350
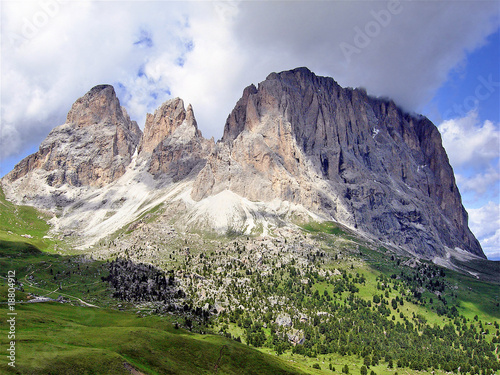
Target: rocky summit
93,147
295,147
173,142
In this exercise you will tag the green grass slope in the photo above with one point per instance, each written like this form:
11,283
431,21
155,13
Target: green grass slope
24,224
63,339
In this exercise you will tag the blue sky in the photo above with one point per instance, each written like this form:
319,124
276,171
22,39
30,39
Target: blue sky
468,79
436,58
466,108
472,91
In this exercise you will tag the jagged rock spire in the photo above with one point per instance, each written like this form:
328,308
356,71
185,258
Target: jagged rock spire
165,121
93,147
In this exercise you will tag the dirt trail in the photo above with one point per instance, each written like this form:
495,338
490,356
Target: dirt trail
131,369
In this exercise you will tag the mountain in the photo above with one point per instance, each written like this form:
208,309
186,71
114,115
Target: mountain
172,141
359,160
296,148
93,147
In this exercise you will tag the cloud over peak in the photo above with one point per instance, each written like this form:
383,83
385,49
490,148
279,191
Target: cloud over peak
207,52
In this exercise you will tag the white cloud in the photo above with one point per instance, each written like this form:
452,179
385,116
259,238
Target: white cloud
482,184
485,224
474,151
469,143
407,57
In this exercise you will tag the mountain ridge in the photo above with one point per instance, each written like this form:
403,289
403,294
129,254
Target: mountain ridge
298,140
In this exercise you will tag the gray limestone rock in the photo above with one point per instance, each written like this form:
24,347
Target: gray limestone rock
92,148
172,142
358,159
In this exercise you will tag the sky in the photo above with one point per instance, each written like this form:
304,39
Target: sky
438,58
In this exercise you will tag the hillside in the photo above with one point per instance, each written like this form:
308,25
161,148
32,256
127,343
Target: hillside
289,302
62,339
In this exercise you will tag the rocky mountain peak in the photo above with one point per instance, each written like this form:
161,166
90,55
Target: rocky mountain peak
237,120
99,105
172,142
92,148
302,74
169,118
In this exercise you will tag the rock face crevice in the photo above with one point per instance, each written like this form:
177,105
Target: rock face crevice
295,137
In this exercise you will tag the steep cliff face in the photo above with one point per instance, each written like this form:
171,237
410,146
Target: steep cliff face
172,142
359,160
92,148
